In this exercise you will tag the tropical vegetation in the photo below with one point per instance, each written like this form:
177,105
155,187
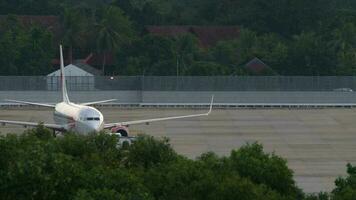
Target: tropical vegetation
292,37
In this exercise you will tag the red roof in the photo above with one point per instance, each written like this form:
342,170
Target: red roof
256,65
168,30
210,35
207,35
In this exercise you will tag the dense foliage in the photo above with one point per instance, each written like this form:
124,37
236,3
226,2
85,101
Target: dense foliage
293,37
35,165
24,51
346,187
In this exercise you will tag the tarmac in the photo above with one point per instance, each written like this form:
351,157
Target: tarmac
317,143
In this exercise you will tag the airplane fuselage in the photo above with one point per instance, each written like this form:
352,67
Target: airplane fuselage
78,118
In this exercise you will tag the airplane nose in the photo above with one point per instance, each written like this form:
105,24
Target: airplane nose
94,127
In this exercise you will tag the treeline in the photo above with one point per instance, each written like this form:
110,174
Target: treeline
35,165
24,51
293,37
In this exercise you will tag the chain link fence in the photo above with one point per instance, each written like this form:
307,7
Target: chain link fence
184,83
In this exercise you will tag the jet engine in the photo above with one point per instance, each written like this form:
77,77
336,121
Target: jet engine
122,131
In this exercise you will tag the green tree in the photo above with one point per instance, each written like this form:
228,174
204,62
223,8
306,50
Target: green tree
11,40
150,55
147,152
204,68
262,168
320,196
187,179
25,51
344,44
113,28
274,51
234,54
147,12
310,55
186,49
76,28
345,187
37,166
36,53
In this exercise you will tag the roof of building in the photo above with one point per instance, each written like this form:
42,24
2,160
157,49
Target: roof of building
168,30
77,69
207,35
88,68
256,65
210,35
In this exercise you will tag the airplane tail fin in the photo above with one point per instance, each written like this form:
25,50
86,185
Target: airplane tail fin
63,78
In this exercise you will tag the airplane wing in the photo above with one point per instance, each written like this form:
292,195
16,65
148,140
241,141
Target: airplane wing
97,102
31,103
111,125
33,124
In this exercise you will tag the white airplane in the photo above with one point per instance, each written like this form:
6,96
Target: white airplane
84,119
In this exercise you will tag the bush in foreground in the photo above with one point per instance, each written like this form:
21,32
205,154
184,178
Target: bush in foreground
346,187
37,166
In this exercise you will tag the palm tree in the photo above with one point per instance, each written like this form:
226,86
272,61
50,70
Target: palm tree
185,47
112,30
75,29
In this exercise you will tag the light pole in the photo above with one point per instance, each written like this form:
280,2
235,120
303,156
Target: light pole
177,70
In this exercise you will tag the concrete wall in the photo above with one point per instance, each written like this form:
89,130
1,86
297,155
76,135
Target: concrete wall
74,96
250,97
153,97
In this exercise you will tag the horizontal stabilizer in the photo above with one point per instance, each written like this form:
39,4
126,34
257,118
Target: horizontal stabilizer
33,124
31,103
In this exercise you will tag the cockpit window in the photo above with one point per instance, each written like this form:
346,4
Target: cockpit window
93,119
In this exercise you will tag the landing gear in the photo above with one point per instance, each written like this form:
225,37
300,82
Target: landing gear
123,140
57,134
122,133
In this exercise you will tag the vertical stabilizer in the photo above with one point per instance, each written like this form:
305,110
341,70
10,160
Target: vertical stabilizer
63,77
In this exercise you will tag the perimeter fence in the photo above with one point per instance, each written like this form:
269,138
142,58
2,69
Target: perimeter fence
183,83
